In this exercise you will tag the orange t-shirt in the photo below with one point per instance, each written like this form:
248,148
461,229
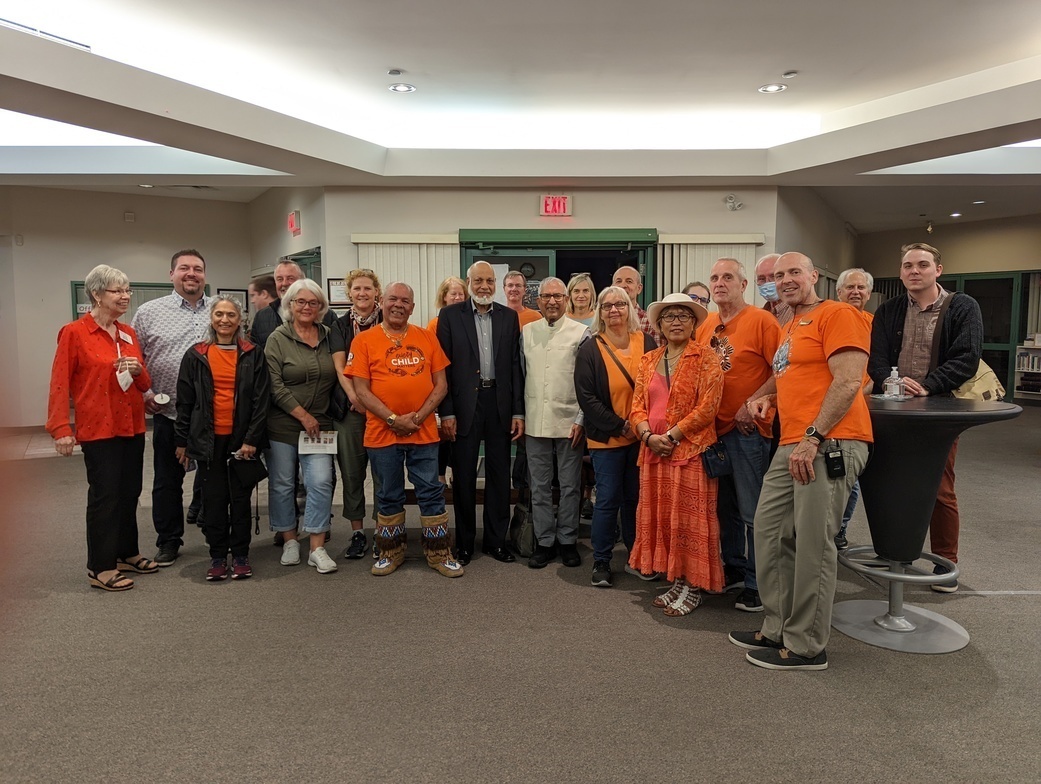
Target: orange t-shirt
222,367
400,376
803,376
528,315
432,325
745,347
621,391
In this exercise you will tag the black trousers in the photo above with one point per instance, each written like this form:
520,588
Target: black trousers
167,492
114,467
226,525
488,428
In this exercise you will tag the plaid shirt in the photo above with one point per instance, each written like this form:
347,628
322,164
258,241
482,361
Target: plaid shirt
647,327
166,328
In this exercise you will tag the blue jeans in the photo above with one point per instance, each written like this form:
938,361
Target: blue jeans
851,507
317,471
389,463
617,487
738,497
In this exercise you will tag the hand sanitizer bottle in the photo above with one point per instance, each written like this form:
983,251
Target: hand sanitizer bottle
893,388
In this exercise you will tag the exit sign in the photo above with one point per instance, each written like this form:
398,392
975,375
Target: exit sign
554,205
293,223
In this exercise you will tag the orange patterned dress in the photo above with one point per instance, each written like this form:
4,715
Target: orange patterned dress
677,530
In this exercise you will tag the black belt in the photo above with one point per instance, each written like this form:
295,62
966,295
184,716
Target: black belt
487,383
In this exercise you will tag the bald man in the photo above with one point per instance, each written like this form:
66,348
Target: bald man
817,375
484,404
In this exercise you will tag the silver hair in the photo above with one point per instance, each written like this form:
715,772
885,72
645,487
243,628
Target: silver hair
741,274
411,291
598,325
546,281
285,310
211,334
844,276
470,269
103,277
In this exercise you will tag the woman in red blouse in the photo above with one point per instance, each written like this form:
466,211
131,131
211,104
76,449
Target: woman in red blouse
99,366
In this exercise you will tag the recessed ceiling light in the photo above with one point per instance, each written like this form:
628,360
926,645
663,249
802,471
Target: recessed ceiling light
981,201
789,74
401,87
142,185
773,88
955,214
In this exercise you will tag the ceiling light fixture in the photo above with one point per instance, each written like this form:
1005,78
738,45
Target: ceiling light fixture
981,201
789,74
955,214
929,227
143,185
773,88
401,87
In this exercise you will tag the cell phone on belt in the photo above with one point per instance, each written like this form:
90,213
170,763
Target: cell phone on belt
833,461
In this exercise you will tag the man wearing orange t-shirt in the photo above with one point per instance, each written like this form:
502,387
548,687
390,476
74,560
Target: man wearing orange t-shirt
399,376
818,370
746,339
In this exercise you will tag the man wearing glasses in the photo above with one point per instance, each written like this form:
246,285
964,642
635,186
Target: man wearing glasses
553,424
166,328
745,339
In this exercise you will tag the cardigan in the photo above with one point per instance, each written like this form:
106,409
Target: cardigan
594,390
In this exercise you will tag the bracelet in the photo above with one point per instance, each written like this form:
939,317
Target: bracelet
646,435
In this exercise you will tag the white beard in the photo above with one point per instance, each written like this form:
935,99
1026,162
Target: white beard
482,300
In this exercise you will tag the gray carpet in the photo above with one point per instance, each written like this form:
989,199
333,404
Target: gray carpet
506,675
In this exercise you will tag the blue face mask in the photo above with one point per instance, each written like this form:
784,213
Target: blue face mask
768,291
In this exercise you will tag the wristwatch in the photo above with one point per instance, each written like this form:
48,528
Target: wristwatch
673,441
390,420
812,433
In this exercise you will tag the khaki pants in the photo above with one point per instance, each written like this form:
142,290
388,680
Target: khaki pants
796,558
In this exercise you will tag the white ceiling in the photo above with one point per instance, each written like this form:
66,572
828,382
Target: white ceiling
241,95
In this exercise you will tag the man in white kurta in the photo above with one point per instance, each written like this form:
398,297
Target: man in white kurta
553,425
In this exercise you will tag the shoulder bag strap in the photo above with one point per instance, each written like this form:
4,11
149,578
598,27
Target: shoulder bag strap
617,361
934,360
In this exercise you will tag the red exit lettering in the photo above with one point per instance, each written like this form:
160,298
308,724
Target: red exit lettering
556,205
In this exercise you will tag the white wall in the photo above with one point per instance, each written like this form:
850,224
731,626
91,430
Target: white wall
65,234
805,223
268,225
441,211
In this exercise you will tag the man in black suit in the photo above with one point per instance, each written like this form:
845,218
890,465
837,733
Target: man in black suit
485,402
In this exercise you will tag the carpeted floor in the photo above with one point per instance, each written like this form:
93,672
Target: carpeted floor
506,675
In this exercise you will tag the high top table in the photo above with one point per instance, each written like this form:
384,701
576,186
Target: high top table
899,487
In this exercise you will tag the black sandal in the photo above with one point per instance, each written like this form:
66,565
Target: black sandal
111,584
142,565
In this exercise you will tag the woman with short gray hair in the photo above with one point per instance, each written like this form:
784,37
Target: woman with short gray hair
300,363
99,366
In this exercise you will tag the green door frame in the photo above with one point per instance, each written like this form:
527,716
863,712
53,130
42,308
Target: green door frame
516,241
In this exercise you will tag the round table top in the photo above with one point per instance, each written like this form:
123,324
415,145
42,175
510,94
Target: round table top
943,408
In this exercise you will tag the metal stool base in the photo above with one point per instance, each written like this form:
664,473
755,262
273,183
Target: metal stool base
933,633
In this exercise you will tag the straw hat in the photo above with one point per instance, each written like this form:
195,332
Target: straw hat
672,300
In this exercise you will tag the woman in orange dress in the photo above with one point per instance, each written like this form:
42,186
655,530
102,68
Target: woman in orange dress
673,414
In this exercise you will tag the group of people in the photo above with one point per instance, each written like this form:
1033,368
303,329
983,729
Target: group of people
651,396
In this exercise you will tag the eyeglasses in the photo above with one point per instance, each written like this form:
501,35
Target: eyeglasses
313,304
128,292
682,318
553,297
614,306
715,341
702,300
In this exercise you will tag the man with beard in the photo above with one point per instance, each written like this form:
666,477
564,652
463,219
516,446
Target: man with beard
166,328
485,403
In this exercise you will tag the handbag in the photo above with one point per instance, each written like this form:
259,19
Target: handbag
339,403
250,472
522,531
983,386
716,461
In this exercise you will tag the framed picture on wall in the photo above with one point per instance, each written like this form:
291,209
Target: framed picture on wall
239,295
337,288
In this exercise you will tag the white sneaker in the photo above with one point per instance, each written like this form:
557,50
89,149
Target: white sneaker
321,561
290,552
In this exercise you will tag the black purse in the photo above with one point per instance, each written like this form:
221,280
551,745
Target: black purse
716,461
249,473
